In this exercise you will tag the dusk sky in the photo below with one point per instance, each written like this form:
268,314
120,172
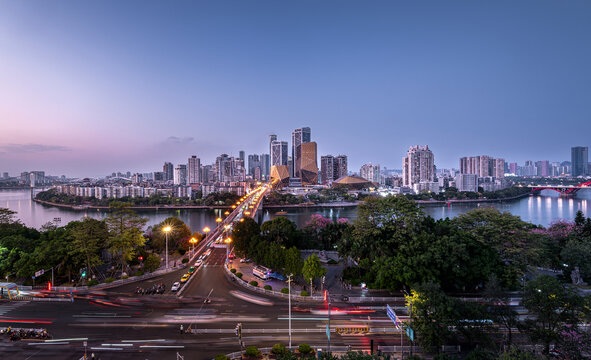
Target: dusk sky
92,87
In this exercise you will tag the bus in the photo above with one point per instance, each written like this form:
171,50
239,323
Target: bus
261,272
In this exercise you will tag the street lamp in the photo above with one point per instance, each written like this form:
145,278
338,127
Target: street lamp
228,241
193,241
289,305
218,220
166,230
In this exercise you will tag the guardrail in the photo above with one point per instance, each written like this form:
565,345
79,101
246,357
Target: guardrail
132,279
259,290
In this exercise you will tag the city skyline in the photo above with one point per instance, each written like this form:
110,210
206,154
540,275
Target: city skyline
219,78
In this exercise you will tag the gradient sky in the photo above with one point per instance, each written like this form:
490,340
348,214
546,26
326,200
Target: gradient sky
87,88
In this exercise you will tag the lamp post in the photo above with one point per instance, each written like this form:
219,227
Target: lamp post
289,305
193,241
166,230
228,241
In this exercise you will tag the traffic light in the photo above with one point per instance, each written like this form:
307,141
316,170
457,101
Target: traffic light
140,258
83,272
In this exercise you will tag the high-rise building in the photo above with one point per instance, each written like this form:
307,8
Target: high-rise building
543,168
241,156
579,160
513,168
5,175
340,166
467,182
253,162
168,170
180,174
327,169
418,166
224,168
370,172
271,139
194,169
309,164
298,137
482,166
265,165
278,153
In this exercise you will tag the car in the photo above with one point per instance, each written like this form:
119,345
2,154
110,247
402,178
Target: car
199,262
245,261
208,252
185,277
202,257
192,270
175,287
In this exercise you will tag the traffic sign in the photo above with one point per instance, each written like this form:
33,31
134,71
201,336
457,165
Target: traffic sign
392,315
39,273
410,333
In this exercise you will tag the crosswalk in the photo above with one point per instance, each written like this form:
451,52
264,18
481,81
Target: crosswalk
6,307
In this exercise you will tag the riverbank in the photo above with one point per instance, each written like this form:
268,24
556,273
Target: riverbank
275,206
140,207
471,201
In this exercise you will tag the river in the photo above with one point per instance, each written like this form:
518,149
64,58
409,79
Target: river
542,209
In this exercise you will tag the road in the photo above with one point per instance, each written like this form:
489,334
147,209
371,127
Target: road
119,324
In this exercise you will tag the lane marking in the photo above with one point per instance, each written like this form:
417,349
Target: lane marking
116,344
163,346
105,348
50,343
135,341
71,339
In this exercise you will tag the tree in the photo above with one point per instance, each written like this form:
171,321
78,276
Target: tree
151,262
244,234
6,216
499,307
178,237
293,261
552,305
313,269
282,231
432,314
89,236
125,232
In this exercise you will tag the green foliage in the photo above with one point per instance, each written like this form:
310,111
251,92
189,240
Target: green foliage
239,275
221,357
313,268
178,237
268,287
92,282
109,280
124,277
278,349
254,283
552,306
233,271
151,262
332,262
304,349
285,291
479,354
281,231
252,351
185,260
125,232
244,234
514,353
304,293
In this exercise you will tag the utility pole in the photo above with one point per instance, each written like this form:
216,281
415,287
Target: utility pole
328,330
289,305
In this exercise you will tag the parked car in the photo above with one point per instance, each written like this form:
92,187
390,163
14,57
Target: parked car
175,287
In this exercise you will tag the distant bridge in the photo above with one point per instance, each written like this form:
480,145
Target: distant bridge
562,189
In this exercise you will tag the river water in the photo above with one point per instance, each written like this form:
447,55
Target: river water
541,209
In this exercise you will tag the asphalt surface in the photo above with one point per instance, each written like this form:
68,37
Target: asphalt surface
117,324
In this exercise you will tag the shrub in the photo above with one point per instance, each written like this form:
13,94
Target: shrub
151,262
332,262
252,351
139,273
109,280
267,287
185,260
92,282
304,293
285,291
355,282
221,357
125,277
254,283
305,348
278,349
233,271
239,275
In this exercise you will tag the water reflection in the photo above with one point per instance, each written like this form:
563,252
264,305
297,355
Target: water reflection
543,210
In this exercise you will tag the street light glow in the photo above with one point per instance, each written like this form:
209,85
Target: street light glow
167,228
